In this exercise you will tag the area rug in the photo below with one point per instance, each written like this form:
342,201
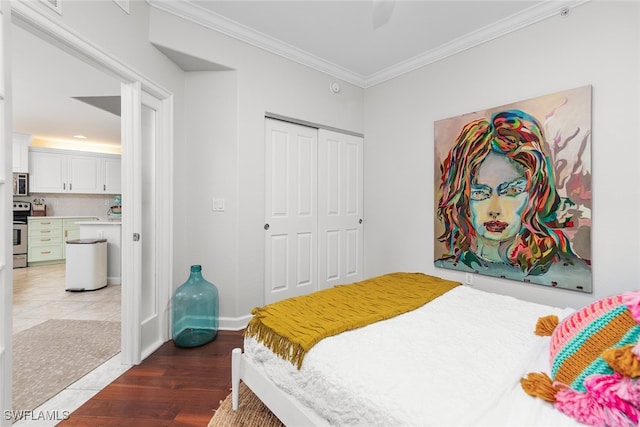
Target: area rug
54,354
251,412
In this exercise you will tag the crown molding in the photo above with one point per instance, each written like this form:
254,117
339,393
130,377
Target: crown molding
201,16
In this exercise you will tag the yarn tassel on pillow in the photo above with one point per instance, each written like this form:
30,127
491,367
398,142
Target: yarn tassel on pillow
623,360
546,325
620,396
540,385
581,407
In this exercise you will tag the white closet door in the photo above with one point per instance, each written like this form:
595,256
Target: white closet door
290,210
340,208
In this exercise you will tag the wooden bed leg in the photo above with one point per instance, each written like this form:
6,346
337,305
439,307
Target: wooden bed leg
236,362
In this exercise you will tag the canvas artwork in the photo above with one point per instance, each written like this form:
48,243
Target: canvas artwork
513,191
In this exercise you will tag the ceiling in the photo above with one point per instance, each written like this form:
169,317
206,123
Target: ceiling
363,42
46,82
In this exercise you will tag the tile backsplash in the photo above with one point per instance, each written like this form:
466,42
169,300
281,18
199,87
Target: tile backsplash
73,204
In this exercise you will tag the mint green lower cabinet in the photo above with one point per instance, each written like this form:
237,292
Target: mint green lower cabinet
48,237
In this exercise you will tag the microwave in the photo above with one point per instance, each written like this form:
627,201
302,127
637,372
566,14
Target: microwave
20,184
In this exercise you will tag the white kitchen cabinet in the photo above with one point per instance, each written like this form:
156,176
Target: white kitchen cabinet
21,143
83,174
48,172
111,173
64,171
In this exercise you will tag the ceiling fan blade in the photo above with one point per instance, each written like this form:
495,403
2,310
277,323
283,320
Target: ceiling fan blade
382,11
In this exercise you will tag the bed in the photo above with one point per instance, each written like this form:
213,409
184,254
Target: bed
456,360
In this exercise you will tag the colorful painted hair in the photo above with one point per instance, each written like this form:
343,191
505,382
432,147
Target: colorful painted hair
518,136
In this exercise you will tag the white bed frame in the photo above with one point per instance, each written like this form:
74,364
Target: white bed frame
284,406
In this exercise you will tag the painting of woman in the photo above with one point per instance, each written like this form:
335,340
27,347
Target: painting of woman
499,206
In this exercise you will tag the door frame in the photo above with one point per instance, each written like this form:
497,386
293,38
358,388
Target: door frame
6,262
30,18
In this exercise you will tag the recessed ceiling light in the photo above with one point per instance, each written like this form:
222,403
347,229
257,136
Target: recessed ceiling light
80,136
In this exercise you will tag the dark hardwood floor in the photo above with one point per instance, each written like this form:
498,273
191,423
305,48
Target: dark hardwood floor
172,387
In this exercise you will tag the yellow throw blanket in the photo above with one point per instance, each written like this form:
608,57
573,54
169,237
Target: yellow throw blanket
291,327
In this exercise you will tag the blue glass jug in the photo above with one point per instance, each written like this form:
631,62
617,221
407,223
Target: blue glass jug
195,311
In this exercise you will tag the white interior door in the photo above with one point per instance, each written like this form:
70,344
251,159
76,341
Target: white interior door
340,208
145,227
6,251
151,315
290,210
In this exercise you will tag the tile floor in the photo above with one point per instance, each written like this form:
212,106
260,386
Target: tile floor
38,295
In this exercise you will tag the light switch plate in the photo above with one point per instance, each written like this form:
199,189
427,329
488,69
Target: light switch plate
218,205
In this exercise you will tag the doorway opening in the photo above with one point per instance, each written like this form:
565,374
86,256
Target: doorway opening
41,304
132,259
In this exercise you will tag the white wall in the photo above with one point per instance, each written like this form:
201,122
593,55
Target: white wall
230,245
597,44
122,35
219,136
211,166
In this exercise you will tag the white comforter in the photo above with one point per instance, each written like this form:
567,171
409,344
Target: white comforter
455,361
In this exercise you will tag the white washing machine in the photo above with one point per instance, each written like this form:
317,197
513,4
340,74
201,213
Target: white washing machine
86,267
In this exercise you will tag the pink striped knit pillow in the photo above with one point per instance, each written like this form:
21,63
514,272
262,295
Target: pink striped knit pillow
589,389
579,340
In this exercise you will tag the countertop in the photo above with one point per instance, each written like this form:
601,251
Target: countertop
61,217
96,222
105,222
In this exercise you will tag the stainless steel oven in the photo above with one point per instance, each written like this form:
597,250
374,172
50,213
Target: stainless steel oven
21,211
19,244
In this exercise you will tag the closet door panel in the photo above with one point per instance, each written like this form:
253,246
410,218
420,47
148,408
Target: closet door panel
279,249
291,210
340,212
313,209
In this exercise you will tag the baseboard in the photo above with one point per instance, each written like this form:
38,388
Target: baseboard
234,323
